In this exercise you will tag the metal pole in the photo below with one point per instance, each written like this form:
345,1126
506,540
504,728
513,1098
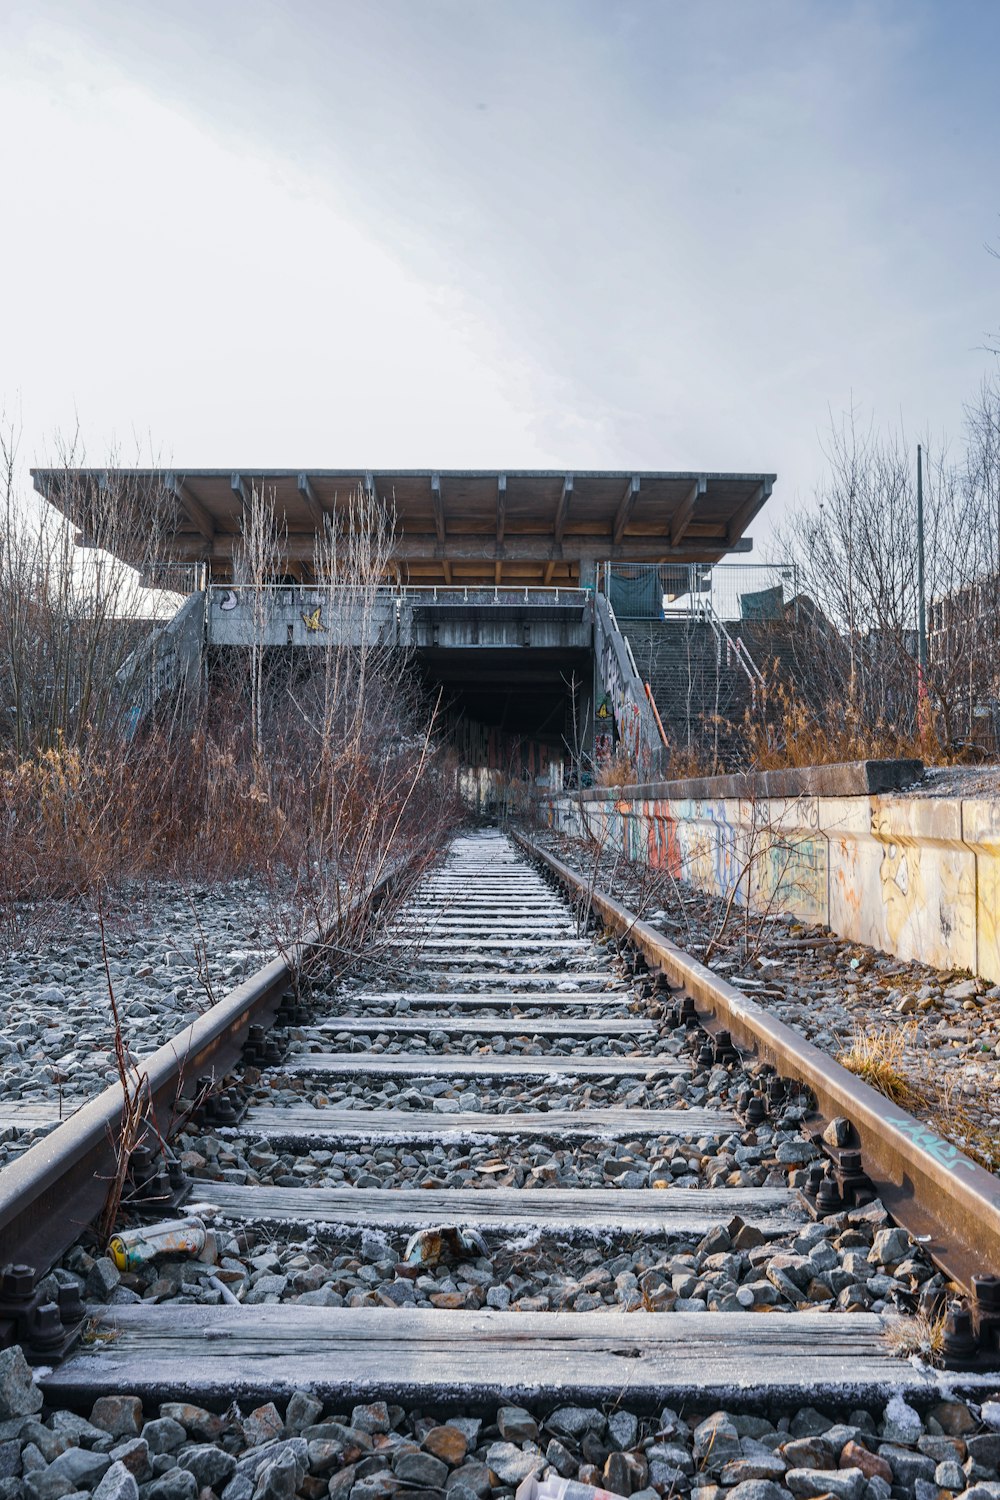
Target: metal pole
921,609
921,604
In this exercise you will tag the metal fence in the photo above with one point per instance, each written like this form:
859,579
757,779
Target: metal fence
732,591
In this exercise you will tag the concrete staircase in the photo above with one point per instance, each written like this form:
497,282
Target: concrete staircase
696,678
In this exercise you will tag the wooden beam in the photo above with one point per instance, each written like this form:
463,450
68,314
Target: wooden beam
447,573
481,547
312,501
438,504
746,511
431,1357
497,573
682,518
562,509
192,507
625,507
550,568
501,507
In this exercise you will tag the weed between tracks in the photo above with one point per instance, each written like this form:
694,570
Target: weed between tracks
879,1059
918,1336
876,1057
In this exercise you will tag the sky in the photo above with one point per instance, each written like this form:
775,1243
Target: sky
569,234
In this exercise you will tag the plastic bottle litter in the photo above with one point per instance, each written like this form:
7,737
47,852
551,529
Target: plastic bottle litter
556,1488
429,1247
179,1237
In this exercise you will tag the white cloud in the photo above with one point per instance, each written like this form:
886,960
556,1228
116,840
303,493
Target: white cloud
643,234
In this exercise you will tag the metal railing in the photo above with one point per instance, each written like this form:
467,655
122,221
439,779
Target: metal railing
735,591
501,593
735,647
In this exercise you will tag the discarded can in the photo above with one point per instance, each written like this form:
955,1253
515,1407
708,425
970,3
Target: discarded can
556,1488
173,1237
429,1247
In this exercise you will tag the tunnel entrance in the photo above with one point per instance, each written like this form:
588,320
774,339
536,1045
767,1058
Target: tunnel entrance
539,695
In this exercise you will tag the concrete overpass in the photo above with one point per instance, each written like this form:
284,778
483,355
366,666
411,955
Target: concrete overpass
492,579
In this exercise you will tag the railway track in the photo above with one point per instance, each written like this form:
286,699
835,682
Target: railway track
517,1174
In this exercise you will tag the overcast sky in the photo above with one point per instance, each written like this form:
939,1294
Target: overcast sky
474,233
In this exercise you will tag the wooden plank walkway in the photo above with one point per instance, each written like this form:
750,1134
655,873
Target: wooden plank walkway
215,1355
410,1065
674,1211
306,1123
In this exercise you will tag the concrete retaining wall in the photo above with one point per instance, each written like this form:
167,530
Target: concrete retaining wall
917,877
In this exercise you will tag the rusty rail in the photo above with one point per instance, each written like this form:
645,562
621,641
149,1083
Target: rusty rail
945,1200
59,1186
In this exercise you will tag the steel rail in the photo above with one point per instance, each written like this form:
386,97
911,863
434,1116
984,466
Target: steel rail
949,1203
59,1186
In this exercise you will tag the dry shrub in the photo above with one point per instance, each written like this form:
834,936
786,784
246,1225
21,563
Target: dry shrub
619,771
785,729
694,760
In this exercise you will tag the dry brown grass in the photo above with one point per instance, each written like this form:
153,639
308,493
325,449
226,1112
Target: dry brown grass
618,772
783,729
876,1057
917,1335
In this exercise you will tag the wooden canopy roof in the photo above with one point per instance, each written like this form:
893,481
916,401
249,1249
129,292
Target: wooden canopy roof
526,526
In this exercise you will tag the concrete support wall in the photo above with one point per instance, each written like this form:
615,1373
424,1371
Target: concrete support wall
917,877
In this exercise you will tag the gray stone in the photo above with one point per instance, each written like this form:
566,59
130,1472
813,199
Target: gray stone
809,1453
371,1418
263,1425
102,1278
175,1484
561,1459
985,1448
302,1411
907,1467
279,1479
119,1415
516,1424
668,1455
845,1484
808,1422
474,1479
82,1468
901,1424
949,1476
985,1489
623,1429
716,1440
574,1421
421,1470
19,1395
163,1435
210,1465
757,1489
510,1464
10,1459
759,1466
119,1483
134,1454
196,1421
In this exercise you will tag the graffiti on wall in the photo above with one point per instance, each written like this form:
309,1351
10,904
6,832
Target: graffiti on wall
919,878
